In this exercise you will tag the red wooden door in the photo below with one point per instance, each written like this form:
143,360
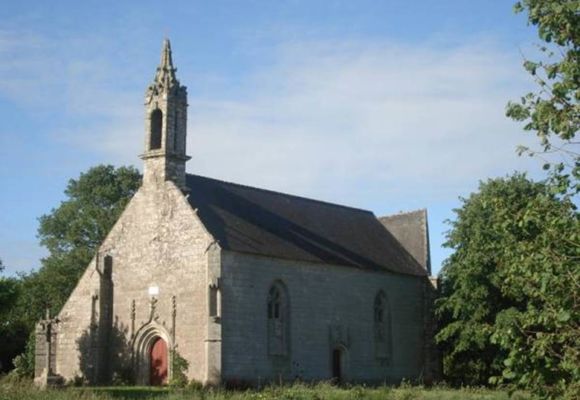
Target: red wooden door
158,362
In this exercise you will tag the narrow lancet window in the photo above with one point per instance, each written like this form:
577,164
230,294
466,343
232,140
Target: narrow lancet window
156,129
278,314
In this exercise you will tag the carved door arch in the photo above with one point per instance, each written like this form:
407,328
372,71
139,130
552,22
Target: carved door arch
145,353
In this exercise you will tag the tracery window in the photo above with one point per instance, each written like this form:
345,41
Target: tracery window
382,326
278,319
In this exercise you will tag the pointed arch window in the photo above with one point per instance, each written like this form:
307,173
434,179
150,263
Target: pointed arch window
278,314
156,129
382,326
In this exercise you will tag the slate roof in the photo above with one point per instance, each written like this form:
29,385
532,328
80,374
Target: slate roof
262,222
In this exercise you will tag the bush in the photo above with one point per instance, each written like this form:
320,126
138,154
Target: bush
24,363
179,370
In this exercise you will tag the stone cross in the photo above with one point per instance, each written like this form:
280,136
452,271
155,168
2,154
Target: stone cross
47,325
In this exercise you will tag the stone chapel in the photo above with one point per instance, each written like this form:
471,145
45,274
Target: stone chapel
246,285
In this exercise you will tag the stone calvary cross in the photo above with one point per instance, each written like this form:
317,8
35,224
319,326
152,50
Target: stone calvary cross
47,328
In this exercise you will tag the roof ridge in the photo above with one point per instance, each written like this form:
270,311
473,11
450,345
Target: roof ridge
284,194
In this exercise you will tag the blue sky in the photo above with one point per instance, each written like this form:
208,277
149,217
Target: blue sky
384,105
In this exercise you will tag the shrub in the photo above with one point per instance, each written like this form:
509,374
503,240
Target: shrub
179,370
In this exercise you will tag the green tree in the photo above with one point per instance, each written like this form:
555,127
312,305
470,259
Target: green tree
541,337
542,351
509,293
471,294
72,233
553,112
12,330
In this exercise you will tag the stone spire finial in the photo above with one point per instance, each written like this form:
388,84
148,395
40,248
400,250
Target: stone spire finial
166,61
165,75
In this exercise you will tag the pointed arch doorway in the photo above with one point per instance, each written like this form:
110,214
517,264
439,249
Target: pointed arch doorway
151,354
158,362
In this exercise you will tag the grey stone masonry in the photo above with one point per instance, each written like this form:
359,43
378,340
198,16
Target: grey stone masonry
330,306
165,125
45,351
412,231
158,287
244,284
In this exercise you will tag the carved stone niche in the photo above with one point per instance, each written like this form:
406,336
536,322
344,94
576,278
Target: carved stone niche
339,335
214,300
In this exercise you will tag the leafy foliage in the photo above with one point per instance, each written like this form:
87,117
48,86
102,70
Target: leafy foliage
24,362
510,292
553,112
543,338
471,294
179,366
542,342
73,231
12,329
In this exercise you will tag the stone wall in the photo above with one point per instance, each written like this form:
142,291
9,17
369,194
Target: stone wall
210,305
157,243
328,305
412,231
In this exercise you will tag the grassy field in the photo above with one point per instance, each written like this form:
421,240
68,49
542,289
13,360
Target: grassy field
323,391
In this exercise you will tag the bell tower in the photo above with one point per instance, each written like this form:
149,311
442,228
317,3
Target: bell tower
165,126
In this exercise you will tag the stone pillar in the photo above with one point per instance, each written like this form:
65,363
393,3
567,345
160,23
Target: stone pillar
213,341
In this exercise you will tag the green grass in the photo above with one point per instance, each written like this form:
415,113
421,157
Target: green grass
322,391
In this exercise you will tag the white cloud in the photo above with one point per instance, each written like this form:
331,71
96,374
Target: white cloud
328,116
26,62
372,123
334,120
87,96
